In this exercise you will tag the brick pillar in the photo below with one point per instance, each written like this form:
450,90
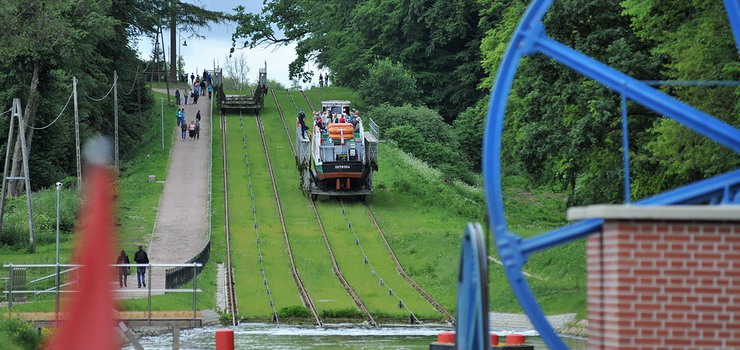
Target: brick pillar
664,277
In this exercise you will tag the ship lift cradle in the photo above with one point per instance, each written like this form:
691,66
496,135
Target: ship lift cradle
252,102
340,160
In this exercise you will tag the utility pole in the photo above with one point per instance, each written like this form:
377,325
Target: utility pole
115,115
161,103
164,59
17,112
77,135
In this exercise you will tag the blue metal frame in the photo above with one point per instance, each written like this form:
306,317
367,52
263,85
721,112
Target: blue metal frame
472,292
529,37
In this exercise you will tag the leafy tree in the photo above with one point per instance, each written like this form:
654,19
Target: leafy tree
187,17
389,83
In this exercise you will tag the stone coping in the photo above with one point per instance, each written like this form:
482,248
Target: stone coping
646,212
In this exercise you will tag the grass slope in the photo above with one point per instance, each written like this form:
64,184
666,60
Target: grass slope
312,259
245,256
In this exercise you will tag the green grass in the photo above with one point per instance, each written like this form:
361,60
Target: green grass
245,255
309,250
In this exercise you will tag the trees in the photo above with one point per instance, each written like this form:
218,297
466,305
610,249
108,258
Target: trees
438,42
189,18
236,68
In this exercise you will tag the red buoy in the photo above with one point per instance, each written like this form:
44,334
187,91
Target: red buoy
225,339
446,338
514,339
494,339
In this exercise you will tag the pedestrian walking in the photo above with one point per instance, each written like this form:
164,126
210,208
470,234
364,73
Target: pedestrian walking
321,80
183,128
191,130
141,258
177,116
123,271
192,78
177,97
210,91
326,79
195,98
202,87
186,96
197,116
197,130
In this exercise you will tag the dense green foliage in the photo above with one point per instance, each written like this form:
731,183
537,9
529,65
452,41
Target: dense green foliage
389,83
423,133
438,42
16,334
562,130
44,46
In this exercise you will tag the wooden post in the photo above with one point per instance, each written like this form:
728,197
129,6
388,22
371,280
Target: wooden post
115,116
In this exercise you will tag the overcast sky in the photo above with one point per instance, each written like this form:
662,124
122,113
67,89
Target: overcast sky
201,53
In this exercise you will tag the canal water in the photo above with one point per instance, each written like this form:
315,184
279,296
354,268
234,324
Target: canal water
278,337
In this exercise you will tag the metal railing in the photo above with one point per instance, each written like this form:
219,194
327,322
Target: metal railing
10,289
374,129
178,276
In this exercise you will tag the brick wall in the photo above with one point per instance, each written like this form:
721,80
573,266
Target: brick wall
664,285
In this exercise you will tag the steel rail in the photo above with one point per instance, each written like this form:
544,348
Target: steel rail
229,273
335,267
403,273
285,125
307,301
338,271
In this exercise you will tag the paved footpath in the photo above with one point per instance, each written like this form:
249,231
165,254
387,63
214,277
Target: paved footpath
181,228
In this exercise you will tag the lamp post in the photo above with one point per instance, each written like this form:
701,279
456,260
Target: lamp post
59,187
179,50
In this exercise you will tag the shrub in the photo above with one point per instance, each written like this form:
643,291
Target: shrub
389,83
18,334
294,311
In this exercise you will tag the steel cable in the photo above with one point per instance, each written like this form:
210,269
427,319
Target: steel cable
59,116
372,269
255,225
115,81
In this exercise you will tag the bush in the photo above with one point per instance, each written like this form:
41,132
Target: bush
18,334
389,83
423,133
294,311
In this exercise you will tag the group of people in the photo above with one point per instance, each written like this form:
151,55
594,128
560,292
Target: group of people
322,119
141,258
192,129
199,88
323,80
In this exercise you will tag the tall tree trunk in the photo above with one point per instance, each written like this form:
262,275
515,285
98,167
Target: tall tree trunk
29,115
173,42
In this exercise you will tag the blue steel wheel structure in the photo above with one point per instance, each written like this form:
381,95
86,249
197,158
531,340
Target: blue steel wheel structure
529,38
471,326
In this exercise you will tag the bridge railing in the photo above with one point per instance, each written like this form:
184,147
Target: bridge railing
65,279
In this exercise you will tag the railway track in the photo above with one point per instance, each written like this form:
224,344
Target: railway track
305,297
231,294
335,267
403,273
436,305
255,225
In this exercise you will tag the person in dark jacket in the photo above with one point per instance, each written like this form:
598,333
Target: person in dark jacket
141,258
302,122
123,270
177,97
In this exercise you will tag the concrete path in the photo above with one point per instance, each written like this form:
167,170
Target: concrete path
181,228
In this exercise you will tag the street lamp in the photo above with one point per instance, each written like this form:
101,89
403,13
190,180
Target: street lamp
179,50
161,102
59,187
